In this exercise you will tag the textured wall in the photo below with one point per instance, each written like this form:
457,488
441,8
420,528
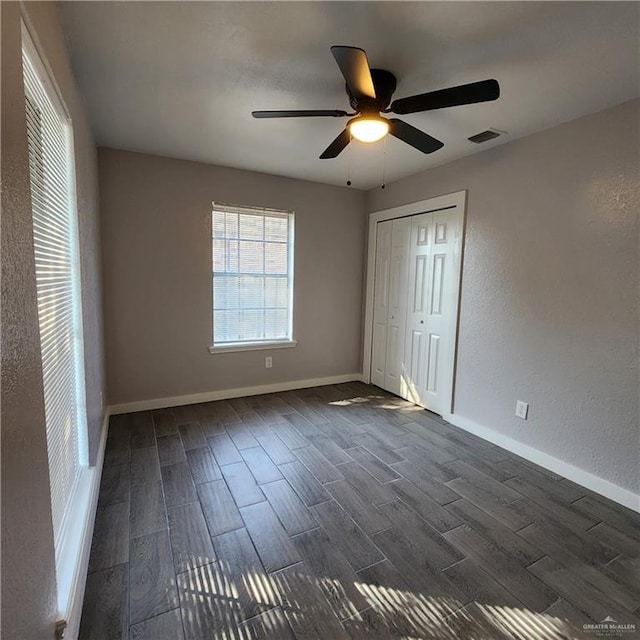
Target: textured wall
157,277
549,308
28,571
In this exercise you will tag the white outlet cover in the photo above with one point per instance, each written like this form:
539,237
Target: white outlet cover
268,362
522,409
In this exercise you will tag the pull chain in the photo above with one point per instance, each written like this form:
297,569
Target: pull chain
384,160
349,160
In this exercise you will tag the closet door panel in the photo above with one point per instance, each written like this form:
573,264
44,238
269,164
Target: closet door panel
396,324
381,303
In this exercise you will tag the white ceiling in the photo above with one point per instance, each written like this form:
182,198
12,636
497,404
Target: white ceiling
180,79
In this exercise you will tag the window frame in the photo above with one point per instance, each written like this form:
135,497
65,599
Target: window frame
257,345
69,538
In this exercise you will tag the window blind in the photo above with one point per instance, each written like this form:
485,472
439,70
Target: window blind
252,274
55,246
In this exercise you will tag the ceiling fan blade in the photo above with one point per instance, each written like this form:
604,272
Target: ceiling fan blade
483,91
354,66
416,138
337,146
299,114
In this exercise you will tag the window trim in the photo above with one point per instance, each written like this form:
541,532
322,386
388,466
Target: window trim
70,545
252,346
256,345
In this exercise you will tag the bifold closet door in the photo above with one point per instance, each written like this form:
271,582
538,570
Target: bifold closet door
381,303
397,311
434,269
390,304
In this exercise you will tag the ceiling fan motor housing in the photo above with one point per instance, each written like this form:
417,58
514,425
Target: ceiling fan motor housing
384,82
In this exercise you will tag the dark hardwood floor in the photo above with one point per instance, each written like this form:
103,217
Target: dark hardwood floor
344,512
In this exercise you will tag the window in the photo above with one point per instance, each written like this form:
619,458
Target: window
252,277
55,243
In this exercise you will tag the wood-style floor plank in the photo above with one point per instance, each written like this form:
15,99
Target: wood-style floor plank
203,465
503,567
110,543
192,436
366,485
142,431
336,577
269,537
424,506
105,614
478,586
209,603
178,485
152,584
170,450
289,435
377,448
590,601
261,465
224,450
555,508
356,547
491,529
435,489
275,448
318,465
242,484
270,625
190,539
242,576
145,466
164,422
379,470
305,606
291,511
602,510
329,449
220,511
147,509
304,483
366,516
417,570
241,435
166,626
441,553
115,484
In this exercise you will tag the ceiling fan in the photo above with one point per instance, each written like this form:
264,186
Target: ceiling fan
370,92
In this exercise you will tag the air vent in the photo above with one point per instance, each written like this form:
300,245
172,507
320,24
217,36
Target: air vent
485,136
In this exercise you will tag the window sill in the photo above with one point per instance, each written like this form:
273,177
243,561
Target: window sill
253,346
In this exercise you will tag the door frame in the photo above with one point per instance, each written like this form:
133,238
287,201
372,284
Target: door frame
456,201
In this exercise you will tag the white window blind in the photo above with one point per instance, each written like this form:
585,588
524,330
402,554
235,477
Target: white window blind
252,275
55,243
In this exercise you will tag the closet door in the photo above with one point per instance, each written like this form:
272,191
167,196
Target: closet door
432,315
381,303
397,306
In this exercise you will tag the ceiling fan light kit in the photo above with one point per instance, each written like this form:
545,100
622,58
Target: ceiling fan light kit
370,90
368,128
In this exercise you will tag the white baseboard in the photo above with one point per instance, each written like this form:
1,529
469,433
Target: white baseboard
73,610
584,478
224,394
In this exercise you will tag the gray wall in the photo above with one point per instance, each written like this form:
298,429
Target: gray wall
156,231
549,307
28,571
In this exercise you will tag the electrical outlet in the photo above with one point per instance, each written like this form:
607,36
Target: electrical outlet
268,362
522,409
